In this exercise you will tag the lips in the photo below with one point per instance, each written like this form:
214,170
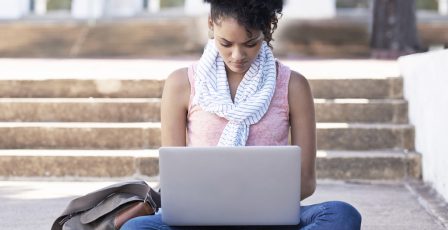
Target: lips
239,64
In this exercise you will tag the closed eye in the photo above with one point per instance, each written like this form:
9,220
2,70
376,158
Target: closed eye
247,45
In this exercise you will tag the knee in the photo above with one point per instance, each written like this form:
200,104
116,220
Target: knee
143,222
350,217
130,224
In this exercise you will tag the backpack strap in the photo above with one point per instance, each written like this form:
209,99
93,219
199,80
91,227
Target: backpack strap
86,202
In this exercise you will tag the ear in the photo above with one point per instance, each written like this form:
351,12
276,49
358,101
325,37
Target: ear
210,23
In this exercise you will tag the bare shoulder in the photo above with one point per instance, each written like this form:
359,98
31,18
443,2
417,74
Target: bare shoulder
299,86
176,91
178,80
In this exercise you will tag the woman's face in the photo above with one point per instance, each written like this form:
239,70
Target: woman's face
234,44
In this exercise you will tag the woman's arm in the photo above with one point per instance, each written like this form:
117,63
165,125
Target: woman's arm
174,108
303,129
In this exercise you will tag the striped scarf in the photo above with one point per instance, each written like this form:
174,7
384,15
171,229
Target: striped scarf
252,98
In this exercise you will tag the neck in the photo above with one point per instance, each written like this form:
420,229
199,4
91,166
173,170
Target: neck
231,74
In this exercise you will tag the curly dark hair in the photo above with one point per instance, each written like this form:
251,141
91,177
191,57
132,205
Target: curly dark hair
252,14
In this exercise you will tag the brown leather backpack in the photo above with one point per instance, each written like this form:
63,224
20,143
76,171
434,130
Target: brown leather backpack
109,207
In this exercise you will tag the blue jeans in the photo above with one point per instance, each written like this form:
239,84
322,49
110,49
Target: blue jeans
335,215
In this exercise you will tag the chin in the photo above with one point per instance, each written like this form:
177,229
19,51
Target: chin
239,70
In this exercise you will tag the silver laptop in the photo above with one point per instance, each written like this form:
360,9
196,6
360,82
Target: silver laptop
206,186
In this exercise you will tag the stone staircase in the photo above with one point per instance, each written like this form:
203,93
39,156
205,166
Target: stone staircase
68,127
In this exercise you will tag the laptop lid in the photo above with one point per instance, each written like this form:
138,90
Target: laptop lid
257,185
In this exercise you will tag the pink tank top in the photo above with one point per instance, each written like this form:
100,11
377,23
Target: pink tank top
205,129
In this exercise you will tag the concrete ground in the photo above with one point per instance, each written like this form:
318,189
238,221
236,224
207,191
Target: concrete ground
35,204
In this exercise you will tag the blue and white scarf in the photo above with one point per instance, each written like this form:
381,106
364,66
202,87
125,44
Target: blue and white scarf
252,98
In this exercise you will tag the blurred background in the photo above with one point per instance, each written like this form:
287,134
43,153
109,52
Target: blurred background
167,28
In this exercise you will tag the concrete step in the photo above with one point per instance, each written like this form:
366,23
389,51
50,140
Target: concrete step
78,163
340,165
368,165
22,135
148,110
81,88
152,87
134,38
362,110
80,109
358,136
368,88
39,135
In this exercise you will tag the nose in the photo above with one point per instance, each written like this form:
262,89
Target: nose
238,54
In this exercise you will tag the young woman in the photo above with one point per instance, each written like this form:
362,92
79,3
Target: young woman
239,94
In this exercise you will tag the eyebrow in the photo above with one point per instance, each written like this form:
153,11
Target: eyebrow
250,40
